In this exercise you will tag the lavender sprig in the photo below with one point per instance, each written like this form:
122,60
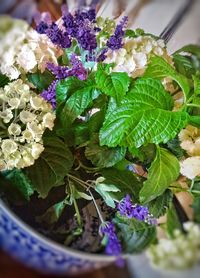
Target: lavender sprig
50,94
116,40
127,209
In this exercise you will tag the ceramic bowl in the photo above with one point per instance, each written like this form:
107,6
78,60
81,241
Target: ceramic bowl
42,254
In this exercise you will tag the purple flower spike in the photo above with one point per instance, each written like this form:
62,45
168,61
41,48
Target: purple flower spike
113,246
62,72
50,94
127,209
116,40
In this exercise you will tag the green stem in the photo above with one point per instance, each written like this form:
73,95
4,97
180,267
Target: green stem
192,185
76,207
193,105
97,208
82,183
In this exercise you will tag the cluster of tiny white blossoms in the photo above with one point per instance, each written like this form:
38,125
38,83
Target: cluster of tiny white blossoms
133,58
23,49
180,252
190,142
24,116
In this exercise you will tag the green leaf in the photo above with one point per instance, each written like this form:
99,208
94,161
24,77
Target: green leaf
159,205
104,157
52,215
163,171
184,65
174,147
78,102
143,117
124,180
115,84
20,181
173,222
51,167
41,80
190,48
65,87
106,190
196,85
134,234
159,68
4,80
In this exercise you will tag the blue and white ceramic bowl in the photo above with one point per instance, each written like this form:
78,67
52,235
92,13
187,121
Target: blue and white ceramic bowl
40,253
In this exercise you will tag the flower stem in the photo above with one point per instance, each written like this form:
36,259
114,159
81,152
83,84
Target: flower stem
97,208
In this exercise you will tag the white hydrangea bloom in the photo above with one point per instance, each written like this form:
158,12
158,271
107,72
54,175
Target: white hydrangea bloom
23,125
180,252
23,49
190,167
190,140
135,54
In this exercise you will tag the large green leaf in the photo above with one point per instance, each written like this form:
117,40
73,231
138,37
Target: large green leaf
173,222
143,118
41,80
134,234
114,84
159,68
66,87
159,205
104,157
78,102
20,182
51,167
184,65
125,180
163,171
190,48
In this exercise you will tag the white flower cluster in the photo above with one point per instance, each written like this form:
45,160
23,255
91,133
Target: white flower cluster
24,116
23,49
135,54
190,142
180,252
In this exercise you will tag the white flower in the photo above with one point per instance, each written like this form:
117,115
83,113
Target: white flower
180,252
48,120
26,58
190,140
14,103
36,102
23,49
27,115
14,129
6,115
8,146
36,150
190,167
133,58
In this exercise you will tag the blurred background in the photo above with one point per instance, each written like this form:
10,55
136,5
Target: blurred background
177,21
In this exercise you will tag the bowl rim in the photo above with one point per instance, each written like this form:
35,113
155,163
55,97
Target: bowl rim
54,245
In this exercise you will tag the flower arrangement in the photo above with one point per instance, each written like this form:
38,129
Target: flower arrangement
104,115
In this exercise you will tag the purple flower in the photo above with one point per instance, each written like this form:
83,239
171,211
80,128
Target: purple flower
116,40
42,27
78,69
113,246
50,94
62,72
102,55
57,36
127,209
